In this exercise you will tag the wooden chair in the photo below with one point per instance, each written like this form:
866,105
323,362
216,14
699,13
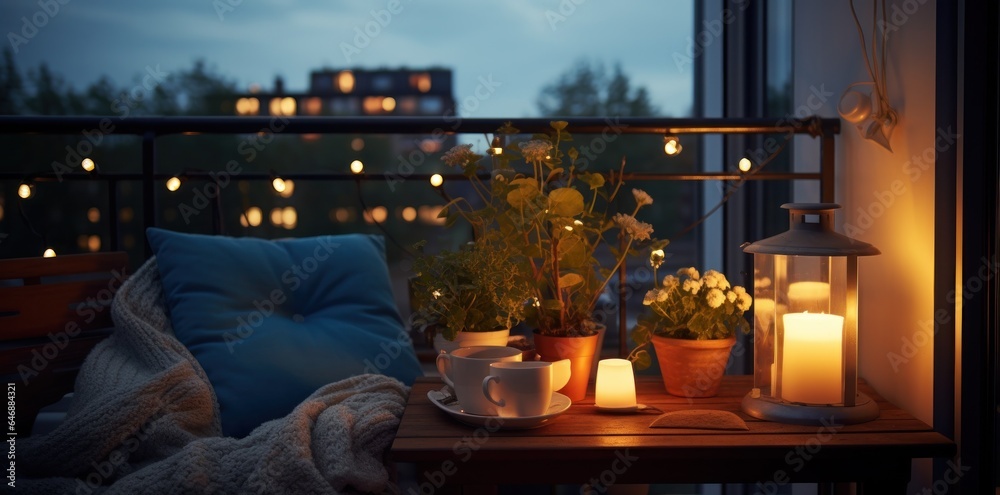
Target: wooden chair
52,313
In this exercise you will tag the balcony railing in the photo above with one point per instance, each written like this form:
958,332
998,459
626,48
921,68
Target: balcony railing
151,129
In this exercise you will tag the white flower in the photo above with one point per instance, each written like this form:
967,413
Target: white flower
535,150
745,301
731,296
689,271
671,281
635,229
641,197
651,296
710,280
692,286
718,279
715,298
739,290
459,155
662,296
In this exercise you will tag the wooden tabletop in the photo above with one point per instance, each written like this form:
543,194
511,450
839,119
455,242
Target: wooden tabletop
583,443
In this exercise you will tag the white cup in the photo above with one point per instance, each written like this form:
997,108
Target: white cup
524,389
464,369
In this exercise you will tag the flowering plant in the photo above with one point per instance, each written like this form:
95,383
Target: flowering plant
558,221
689,305
473,289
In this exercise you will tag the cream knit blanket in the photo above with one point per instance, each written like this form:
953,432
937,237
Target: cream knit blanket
145,420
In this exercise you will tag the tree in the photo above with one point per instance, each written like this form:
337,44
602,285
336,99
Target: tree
586,90
11,86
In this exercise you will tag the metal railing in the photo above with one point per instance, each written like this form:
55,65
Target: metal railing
149,129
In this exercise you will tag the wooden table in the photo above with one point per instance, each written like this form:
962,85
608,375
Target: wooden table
583,445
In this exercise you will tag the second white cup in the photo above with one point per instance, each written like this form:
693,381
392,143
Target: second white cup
524,389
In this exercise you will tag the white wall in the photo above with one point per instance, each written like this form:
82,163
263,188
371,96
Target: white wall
888,198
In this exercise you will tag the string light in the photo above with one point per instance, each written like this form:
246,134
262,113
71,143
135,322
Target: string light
49,253
173,183
672,145
437,180
357,167
25,190
278,184
496,148
745,164
88,165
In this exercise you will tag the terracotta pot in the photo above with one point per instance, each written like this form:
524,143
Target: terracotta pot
469,339
580,352
692,368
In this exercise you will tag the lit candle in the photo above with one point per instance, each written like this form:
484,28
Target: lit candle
615,384
813,297
812,358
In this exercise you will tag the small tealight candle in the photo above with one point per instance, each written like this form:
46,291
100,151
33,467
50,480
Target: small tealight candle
615,385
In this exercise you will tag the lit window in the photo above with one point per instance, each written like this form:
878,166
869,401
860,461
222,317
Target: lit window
282,106
388,104
314,106
247,106
357,144
372,104
252,217
94,215
430,145
289,217
94,243
345,81
421,81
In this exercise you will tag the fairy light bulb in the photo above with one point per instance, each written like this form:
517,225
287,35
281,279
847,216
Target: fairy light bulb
672,145
88,164
173,183
25,190
49,253
357,167
745,164
278,184
496,147
437,180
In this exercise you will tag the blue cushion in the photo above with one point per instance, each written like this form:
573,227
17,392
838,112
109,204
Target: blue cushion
272,321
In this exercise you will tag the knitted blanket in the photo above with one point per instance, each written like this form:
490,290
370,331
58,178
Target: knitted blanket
144,419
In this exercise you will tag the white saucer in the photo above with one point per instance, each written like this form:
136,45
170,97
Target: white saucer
559,404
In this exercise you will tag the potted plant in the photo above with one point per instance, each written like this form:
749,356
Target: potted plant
470,296
561,224
692,325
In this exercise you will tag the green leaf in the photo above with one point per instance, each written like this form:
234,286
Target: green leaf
573,252
569,280
554,174
524,192
595,181
642,360
565,202
552,304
